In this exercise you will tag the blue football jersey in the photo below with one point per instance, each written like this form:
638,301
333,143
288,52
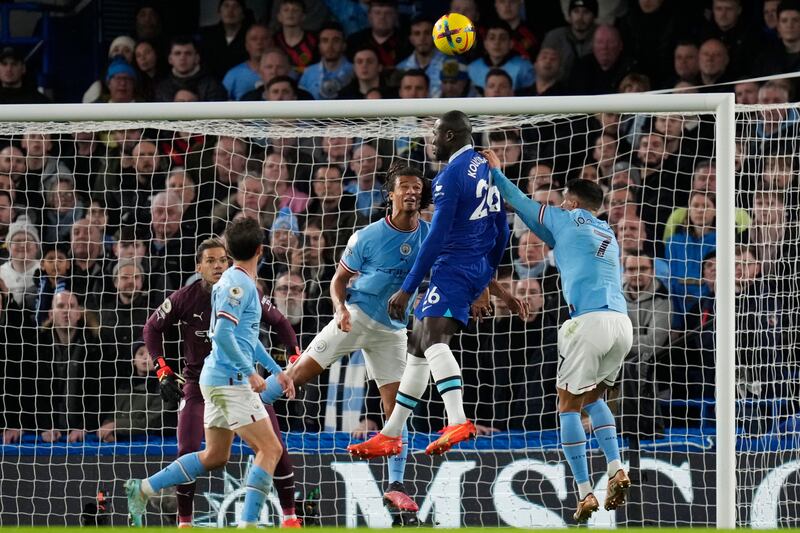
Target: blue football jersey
586,251
235,298
468,211
382,255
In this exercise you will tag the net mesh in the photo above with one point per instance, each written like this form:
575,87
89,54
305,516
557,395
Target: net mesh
100,225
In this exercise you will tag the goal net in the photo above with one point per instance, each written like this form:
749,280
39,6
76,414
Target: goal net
101,220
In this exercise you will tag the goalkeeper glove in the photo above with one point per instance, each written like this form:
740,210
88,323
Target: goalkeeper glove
295,356
169,382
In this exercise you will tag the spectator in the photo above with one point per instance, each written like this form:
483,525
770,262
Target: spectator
508,147
120,51
324,80
138,407
284,236
6,218
171,244
365,164
454,81
713,61
248,199
332,209
87,266
85,155
631,234
121,80
53,278
686,63
149,67
62,208
620,202
746,93
574,41
524,41
39,165
658,194
650,313
279,88
181,182
274,64
498,83
540,176
533,256
300,46
649,31
685,250
278,183
604,155
313,262
783,55
770,15
735,32
19,274
124,310
497,43
218,171
289,295
71,387
367,70
223,44
187,74
704,180
777,123
148,25
13,89
136,185
335,151
548,73
414,84
244,77
425,56
771,235
602,71
317,13
381,35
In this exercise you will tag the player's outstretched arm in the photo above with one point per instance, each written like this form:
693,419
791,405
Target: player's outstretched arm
527,208
514,304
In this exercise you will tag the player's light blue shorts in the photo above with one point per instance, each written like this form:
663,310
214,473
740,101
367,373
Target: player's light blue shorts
452,290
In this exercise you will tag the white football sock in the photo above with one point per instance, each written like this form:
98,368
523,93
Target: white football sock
412,387
447,376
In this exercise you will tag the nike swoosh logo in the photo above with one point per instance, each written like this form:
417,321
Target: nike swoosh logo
425,307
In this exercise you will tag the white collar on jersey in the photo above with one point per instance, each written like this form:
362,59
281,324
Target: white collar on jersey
459,152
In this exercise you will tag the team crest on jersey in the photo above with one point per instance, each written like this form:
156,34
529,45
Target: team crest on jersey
164,309
405,248
320,347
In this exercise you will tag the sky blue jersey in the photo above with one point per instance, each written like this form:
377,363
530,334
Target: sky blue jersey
235,318
586,251
382,255
469,220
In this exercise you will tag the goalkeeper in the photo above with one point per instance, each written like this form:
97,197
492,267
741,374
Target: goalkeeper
190,307
593,343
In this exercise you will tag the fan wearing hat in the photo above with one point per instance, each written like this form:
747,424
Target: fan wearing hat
454,80
13,89
574,40
19,272
120,56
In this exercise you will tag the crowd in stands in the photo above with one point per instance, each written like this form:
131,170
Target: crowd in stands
96,228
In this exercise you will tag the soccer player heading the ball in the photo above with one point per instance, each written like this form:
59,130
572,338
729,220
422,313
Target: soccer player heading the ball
593,343
230,386
190,307
378,257
467,238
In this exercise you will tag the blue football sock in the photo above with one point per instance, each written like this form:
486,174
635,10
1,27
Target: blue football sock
573,442
184,469
273,390
257,486
605,430
397,463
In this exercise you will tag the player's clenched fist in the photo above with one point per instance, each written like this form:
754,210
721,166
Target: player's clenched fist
287,385
491,158
398,304
169,382
343,319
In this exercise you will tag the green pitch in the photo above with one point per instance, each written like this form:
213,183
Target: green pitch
416,530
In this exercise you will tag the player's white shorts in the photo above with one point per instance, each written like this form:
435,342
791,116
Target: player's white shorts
591,349
231,406
384,348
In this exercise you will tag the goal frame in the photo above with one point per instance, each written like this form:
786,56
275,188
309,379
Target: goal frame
721,105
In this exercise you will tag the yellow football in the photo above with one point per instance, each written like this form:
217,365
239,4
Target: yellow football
454,34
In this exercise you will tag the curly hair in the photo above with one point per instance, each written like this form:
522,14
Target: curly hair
403,168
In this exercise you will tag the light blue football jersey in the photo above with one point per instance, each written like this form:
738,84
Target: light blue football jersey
235,298
586,251
382,255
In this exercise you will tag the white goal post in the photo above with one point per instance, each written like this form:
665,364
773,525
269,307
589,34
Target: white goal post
721,106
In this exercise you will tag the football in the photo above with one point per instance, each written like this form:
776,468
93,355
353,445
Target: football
454,34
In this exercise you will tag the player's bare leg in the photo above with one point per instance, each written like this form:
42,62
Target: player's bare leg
262,439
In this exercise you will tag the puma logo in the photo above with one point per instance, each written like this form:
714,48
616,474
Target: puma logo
200,316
